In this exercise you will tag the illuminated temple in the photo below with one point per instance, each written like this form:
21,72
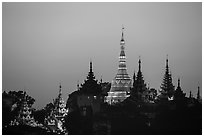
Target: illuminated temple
120,85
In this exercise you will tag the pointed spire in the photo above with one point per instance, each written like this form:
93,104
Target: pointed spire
167,61
121,84
122,41
178,82
140,84
167,87
90,66
122,38
91,74
139,64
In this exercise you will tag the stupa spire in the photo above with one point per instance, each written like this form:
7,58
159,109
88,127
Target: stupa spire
122,43
122,38
121,84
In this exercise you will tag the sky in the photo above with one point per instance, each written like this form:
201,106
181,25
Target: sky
44,44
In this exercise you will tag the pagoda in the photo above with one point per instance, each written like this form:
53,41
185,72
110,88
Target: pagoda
90,95
24,115
120,85
179,95
60,110
90,85
167,87
139,87
56,119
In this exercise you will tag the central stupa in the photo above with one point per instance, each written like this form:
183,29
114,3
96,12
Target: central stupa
120,85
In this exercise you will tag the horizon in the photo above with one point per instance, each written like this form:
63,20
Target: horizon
44,44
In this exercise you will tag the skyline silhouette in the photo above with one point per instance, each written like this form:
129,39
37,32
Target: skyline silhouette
44,44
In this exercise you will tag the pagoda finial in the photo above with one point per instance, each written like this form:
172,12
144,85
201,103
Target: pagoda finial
90,65
167,61
122,38
122,31
139,64
179,82
91,74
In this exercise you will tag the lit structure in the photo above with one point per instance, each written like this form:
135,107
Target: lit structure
60,110
25,111
57,117
24,115
120,86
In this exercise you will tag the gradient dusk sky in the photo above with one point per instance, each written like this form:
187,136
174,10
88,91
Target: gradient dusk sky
44,44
